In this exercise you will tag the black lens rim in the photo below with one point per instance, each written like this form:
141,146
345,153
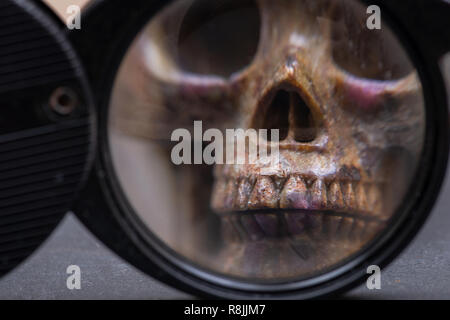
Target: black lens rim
36,141
122,234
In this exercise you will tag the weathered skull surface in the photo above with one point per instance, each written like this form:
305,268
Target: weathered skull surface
346,99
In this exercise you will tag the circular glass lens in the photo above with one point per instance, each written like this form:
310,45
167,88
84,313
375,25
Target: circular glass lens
267,141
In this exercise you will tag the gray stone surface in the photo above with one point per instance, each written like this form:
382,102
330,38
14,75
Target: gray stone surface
103,274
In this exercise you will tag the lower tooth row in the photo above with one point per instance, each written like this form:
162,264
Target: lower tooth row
318,227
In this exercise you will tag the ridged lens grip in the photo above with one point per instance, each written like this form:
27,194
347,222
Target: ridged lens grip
45,128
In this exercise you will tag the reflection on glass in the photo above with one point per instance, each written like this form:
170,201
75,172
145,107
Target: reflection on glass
346,100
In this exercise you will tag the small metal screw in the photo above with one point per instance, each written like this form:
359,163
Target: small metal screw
63,101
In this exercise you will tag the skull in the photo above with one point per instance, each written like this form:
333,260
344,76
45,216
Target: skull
346,99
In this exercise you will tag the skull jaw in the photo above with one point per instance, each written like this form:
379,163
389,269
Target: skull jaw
290,243
280,227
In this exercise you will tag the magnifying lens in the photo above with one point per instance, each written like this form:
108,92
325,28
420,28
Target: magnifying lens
256,148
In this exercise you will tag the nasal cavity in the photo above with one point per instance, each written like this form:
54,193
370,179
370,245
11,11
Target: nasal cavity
277,116
302,120
290,114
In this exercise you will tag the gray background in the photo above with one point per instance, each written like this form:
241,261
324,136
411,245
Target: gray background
421,272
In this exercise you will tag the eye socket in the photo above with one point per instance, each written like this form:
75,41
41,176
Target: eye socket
365,53
218,37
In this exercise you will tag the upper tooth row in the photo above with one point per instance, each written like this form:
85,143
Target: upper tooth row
296,193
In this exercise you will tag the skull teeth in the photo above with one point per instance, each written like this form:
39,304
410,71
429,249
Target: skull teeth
319,198
297,192
335,196
264,194
349,194
244,189
361,198
318,227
